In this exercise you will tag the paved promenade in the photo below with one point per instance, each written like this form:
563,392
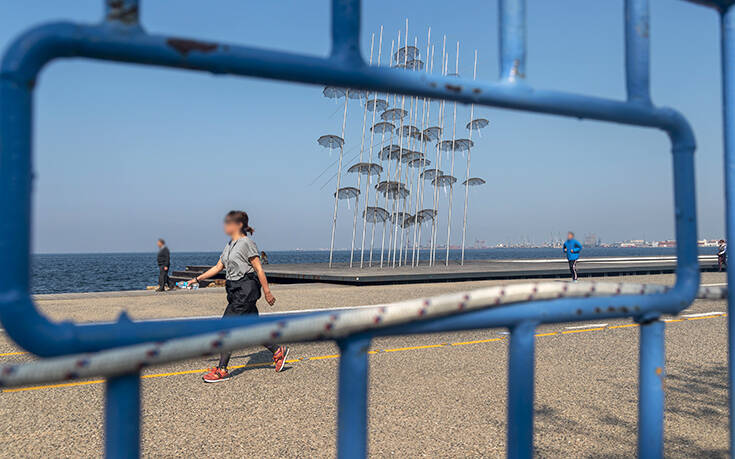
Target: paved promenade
440,395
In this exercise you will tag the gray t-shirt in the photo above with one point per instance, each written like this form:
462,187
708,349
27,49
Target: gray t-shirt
236,258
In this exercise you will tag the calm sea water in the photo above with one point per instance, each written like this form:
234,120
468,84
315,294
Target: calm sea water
63,273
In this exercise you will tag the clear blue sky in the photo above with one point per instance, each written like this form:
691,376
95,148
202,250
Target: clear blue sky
125,154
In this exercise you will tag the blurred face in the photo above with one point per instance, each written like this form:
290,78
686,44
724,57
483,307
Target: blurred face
159,244
570,236
232,227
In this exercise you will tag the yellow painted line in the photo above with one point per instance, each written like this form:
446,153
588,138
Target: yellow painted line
704,317
624,326
673,320
415,347
322,357
477,342
566,332
546,334
12,353
51,386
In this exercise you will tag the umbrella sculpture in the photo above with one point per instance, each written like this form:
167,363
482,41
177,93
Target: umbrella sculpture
402,181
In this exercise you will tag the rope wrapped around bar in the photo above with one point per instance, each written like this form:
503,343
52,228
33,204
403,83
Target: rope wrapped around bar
328,325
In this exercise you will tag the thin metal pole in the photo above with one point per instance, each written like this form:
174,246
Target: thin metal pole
352,397
651,391
377,195
370,161
122,417
339,178
521,363
359,174
437,163
406,202
451,172
424,140
727,31
400,155
467,173
390,177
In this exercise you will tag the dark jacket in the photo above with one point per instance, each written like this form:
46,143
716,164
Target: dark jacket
164,257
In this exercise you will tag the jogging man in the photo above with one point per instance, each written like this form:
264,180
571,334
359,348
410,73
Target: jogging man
571,249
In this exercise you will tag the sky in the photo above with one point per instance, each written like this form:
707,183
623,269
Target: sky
125,154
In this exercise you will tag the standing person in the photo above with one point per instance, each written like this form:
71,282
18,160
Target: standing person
571,249
722,254
244,278
164,263
264,258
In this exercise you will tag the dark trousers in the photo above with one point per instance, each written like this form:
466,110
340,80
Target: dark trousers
163,280
573,268
241,298
722,261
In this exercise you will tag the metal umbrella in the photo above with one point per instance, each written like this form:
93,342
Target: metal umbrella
376,105
376,214
433,133
474,181
393,114
415,64
366,169
430,174
444,180
333,92
384,127
407,53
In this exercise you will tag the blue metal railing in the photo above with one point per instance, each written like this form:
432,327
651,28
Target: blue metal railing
120,38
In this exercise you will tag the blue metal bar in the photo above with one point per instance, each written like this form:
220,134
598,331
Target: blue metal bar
122,417
346,32
27,56
637,50
512,38
352,403
651,391
727,27
521,362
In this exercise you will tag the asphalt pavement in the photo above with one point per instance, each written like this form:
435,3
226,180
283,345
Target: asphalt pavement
440,395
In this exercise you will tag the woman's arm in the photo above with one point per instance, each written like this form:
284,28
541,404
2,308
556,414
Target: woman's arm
255,262
213,271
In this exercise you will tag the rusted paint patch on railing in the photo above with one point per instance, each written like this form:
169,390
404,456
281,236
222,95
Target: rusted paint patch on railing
184,46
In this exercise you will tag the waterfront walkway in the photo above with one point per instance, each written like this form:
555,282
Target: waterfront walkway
430,395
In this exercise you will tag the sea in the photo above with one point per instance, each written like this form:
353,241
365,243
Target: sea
102,272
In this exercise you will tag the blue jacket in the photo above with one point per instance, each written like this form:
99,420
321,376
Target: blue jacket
572,247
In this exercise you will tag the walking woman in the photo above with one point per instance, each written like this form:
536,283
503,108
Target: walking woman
245,276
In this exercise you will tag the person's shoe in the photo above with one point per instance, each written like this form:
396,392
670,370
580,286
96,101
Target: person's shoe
216,375
279,358
160,290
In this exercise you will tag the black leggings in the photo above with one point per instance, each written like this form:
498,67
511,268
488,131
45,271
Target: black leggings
241,298
573,268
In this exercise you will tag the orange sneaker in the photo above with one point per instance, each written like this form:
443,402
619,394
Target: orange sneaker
279,358
216,375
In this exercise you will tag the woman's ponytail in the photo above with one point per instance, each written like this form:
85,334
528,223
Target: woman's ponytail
240,217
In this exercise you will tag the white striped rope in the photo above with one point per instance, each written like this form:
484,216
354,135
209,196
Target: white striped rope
328,325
